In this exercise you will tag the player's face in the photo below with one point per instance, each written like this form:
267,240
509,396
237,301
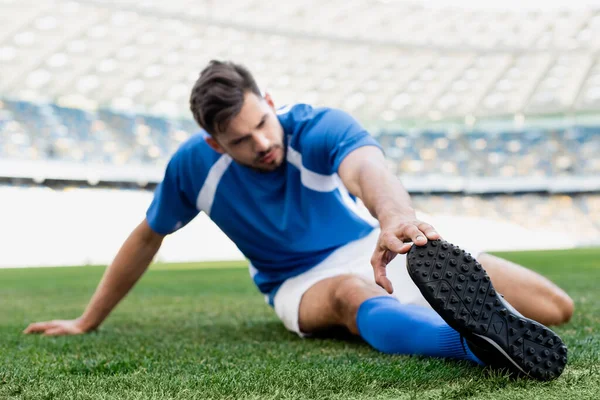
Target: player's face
254,137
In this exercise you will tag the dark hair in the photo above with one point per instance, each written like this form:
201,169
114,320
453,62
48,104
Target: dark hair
218,94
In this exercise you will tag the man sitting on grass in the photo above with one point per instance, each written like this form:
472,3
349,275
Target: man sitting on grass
284,186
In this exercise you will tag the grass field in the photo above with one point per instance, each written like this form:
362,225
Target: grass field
191,332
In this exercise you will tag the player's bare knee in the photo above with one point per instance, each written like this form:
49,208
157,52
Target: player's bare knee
560,308
566,308
349,293
346,291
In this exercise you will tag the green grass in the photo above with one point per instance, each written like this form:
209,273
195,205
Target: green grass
200,333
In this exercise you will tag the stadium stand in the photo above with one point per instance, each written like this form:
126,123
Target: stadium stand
50,132
538,152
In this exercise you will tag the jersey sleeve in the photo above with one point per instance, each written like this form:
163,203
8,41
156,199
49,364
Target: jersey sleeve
332,136
171,208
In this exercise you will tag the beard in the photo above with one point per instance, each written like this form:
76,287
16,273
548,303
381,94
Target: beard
260,166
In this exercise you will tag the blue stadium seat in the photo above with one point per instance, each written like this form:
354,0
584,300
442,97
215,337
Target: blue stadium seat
43,131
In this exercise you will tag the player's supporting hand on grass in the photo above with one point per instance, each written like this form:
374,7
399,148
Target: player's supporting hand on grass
131,262
57,327
366,176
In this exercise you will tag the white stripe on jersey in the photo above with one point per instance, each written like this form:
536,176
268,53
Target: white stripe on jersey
310,179
207,193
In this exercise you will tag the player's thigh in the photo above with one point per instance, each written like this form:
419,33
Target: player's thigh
334,301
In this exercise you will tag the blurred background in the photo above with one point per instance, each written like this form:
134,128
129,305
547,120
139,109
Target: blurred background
488,111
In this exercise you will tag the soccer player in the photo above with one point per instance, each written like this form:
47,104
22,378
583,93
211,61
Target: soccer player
287,187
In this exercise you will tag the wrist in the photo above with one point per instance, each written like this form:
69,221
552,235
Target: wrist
392,219
85,324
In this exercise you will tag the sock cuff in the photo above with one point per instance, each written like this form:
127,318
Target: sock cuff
369,304
450,341
470,353
455,346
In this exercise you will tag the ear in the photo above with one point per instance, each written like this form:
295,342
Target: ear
214,144
269,100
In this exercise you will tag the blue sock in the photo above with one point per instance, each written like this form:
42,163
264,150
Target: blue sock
395,328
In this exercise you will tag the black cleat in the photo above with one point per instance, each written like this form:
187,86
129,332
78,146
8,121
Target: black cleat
461,292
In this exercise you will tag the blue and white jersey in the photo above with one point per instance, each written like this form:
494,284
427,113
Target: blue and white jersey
286,221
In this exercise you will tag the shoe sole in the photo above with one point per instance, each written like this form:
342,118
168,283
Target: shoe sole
461,292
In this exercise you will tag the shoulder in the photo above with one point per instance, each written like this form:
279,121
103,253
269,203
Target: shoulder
305,123
321,136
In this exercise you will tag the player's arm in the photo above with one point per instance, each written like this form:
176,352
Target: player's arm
170,210
365,175
131,261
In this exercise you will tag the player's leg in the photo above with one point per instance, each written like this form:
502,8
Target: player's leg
530,293
365,309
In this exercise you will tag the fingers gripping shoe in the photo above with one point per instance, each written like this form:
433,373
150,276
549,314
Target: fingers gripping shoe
460,291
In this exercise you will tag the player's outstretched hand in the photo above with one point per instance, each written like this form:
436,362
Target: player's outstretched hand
395,239
56,328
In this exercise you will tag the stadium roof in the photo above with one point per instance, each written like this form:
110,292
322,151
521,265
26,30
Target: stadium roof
388,60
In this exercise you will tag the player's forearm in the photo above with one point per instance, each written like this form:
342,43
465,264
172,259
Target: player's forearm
384,195
131,262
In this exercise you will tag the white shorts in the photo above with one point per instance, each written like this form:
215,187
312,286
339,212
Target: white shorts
353,258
